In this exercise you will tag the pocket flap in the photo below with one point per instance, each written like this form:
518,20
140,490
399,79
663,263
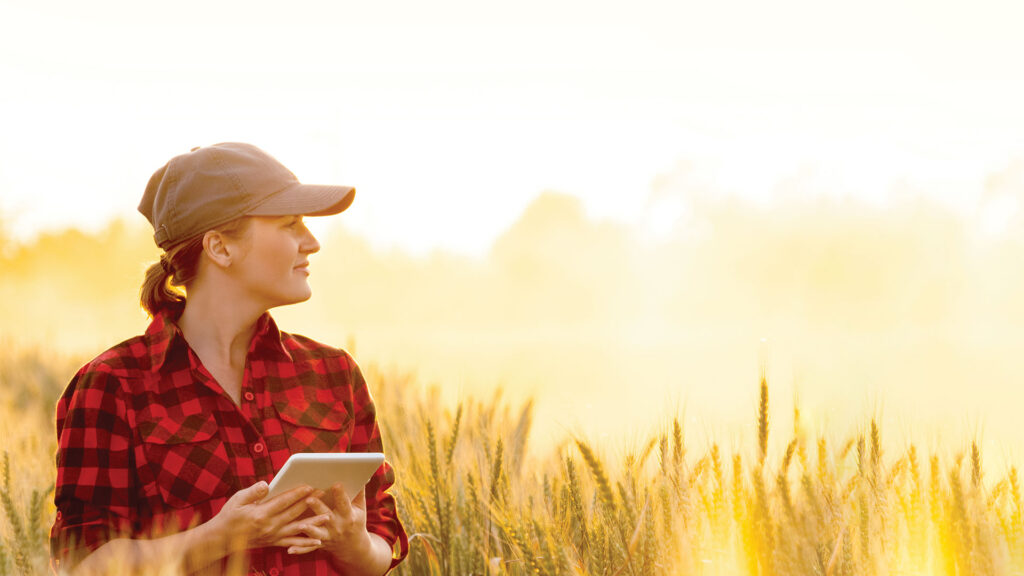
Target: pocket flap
315,414
312,400
177,429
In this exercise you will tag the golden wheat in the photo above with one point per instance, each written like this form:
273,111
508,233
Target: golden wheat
475,501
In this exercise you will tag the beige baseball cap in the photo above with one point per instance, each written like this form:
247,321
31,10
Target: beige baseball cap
213,185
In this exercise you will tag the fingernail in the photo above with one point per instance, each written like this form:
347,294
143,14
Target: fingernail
317,542
291,550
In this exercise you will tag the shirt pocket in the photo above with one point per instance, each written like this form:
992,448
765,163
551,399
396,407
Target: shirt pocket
314,425
188,460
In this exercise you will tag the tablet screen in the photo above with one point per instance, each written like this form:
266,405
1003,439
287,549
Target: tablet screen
323,470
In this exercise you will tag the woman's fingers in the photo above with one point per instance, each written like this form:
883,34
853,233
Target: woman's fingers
279,515
299,541
317,506
318,520
282,502
292,512
342,501
312,527
252,494
303,526
313,531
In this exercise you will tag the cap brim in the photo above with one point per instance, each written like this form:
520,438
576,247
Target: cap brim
306,200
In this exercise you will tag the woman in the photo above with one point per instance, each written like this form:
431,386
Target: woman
166,441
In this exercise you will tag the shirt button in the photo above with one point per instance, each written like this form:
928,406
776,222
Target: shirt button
257,448
58,515
274,572
249,396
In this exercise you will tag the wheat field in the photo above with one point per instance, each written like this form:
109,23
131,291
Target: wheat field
476,500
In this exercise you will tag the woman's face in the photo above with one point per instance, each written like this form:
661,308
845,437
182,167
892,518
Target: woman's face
273,265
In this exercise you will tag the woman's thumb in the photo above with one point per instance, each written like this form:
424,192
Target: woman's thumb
254,493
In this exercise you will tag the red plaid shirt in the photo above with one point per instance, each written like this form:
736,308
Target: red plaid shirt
148,441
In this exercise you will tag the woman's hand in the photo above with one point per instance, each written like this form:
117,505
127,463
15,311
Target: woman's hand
245,521
249,521
345,528
344,534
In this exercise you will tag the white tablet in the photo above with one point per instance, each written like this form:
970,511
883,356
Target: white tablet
323,470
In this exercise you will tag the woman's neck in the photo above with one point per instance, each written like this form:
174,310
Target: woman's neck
217,328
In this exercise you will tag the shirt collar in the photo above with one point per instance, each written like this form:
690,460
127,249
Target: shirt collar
164,336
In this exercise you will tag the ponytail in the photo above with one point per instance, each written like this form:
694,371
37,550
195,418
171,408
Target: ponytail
166,281
161,288
157,293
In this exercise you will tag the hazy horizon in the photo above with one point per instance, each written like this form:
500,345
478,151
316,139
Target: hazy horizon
908,312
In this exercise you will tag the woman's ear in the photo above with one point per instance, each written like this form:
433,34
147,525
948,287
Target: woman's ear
217,249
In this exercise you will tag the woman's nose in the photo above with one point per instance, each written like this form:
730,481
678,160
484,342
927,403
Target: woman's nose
310,244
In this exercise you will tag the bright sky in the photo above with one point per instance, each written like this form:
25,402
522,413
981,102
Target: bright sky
449,117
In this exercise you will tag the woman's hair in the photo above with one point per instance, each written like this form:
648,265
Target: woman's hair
177,267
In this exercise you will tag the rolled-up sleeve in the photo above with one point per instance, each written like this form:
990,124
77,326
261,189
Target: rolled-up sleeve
95,469
381,511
